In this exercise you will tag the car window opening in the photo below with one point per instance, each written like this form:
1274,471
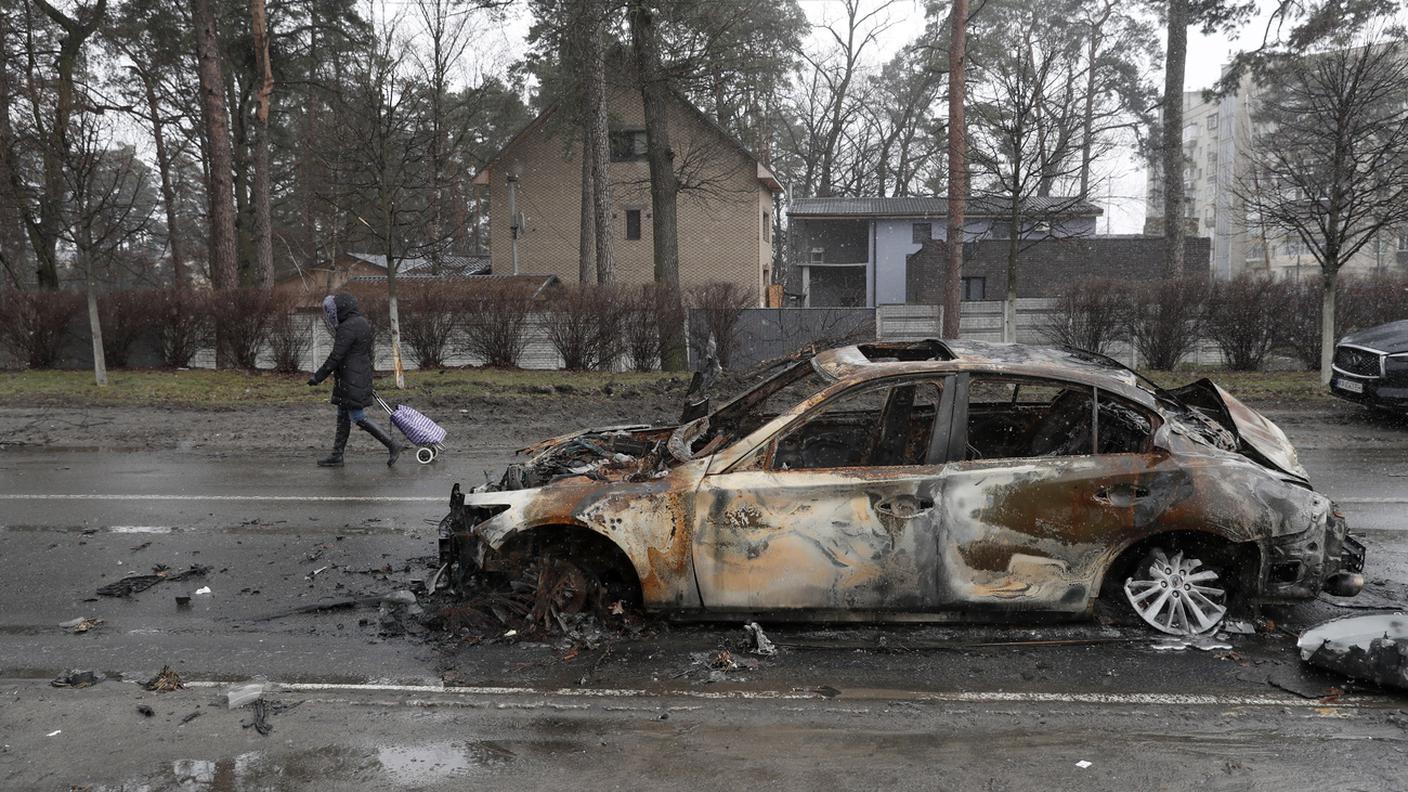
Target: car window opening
885,426
1010,418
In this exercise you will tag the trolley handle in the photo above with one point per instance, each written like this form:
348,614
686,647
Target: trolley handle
383,403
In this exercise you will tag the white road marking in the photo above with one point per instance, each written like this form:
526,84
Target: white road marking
294,498
141,529
956,697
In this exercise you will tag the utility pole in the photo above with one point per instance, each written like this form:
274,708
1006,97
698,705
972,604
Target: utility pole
957,169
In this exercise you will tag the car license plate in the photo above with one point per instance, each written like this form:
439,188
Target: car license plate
1350,385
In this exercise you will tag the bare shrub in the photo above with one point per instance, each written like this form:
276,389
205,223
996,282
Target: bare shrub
1368,301
719,305
428,318
35,325
640,328
1164,319
1244,317
183,324
244,317
1299,333
583,324
493,321
124,315
1088,315
290,335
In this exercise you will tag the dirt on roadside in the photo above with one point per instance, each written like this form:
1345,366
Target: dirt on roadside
498,419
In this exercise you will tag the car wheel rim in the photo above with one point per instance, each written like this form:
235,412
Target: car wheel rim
1177,595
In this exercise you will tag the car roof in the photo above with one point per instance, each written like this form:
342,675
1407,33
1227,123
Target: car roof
889,358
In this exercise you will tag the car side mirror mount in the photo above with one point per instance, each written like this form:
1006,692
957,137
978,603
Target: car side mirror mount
1161,439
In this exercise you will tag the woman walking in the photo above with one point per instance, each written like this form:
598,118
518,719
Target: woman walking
350,364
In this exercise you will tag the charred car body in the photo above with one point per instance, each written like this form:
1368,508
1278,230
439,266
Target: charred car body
926,480
1371,366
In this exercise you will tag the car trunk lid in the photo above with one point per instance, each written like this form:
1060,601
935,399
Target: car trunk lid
1259,439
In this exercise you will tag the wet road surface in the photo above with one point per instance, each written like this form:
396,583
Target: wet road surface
858,707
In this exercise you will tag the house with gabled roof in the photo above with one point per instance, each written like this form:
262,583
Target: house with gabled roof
725,206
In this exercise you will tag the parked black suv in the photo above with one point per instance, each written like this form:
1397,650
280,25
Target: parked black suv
1371,366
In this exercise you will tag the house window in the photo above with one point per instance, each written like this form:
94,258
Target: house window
1212,122
627,145
1403,241
632,224
974,288
767,227
818,256
919,233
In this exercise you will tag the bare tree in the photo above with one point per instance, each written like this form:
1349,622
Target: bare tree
107,205
957,166
664,185
220,188
1330,164
263,220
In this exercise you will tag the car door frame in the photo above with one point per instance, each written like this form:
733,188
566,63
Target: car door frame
743,514
1079,506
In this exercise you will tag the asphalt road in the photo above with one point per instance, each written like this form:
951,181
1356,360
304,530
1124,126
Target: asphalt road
840,708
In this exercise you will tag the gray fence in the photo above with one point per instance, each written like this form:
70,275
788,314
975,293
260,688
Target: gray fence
767,333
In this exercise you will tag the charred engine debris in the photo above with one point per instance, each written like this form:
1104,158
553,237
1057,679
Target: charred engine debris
630,453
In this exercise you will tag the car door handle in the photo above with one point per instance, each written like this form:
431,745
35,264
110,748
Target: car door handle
1120,495
905,507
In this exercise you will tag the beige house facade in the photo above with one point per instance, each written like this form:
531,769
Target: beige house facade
725,206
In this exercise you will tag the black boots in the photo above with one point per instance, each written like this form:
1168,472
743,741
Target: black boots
339,444
393,448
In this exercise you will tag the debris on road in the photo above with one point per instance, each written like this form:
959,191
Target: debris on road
192,716
242,693
760,643
1173,643
203,590
145,710
260,721
166,680
1372,648
1083,764
55,733
80,625
76,678
133,584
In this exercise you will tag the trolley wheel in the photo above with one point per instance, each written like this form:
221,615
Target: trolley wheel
425,455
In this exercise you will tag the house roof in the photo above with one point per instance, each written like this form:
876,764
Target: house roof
934,206
765,175
451,265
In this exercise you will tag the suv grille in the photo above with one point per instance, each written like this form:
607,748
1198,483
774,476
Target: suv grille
1357,361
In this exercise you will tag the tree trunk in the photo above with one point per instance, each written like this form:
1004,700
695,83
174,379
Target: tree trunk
1173,136
586,268
599,139
168,190
217,138
664,185
1329,282
393,313
1014,248
263,223
1087,142
95,326
957,170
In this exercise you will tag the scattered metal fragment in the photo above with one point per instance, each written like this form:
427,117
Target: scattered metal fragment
190,717
203,590
260,720
146,710
316,572
165,681
1372,648
76,678
240,694
133,584
759,641
80,625
1174,643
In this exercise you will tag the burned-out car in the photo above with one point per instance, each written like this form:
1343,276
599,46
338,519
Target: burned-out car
922,480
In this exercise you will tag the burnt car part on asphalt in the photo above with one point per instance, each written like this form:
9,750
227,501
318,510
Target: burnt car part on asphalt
1371,366
922,481
1373,648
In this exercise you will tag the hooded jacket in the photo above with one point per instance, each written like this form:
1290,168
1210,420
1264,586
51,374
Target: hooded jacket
350,361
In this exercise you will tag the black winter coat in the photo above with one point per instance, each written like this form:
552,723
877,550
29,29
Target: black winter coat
350,361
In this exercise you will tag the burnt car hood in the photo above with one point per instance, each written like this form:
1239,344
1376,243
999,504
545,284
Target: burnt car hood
1391,337
1258,438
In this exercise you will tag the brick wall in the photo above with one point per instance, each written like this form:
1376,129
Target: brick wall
720,221
1045,267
